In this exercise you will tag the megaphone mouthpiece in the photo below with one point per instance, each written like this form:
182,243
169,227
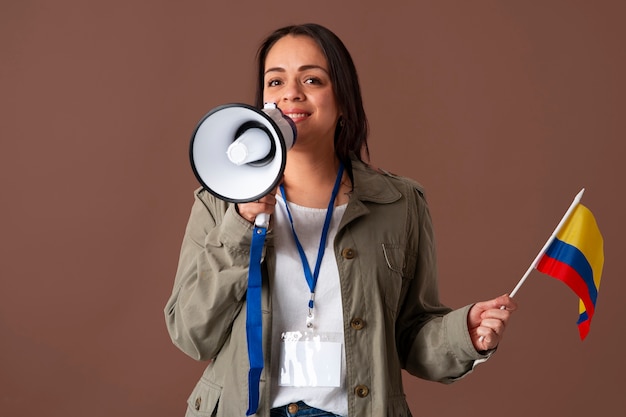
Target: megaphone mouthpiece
286,126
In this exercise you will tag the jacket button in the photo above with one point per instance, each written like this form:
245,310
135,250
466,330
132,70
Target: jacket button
362,391
198,403
348,253
357,323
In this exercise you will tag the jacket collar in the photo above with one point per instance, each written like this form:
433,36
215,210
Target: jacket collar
369,186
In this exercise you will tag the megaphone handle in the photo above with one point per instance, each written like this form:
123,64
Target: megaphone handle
262,220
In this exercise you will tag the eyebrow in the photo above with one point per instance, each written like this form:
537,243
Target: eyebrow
302,68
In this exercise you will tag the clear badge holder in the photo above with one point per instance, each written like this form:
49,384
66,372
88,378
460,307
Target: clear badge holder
310,359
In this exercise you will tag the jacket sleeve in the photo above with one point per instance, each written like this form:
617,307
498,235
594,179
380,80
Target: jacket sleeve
211,279
433,341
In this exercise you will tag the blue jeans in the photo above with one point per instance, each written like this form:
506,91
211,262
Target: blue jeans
299,409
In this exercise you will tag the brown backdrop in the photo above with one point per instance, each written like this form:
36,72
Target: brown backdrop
503,110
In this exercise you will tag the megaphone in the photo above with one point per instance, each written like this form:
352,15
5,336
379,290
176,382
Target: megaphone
238,152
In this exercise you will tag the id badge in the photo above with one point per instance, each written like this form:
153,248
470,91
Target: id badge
310,359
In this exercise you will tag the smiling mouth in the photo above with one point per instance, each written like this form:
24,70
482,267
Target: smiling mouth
297,116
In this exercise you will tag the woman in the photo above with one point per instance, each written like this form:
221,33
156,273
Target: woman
375,307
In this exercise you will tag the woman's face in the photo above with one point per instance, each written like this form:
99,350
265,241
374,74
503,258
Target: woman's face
297,80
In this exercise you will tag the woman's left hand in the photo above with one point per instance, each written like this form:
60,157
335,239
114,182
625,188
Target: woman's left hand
488,319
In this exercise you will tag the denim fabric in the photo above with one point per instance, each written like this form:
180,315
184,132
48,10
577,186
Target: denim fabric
303,411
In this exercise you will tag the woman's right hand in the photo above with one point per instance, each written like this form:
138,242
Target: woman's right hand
265,204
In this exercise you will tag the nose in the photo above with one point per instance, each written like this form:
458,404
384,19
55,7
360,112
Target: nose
293,92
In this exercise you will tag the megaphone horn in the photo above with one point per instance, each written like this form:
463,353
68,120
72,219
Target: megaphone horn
238,152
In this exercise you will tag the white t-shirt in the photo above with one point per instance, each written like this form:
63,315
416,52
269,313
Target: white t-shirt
291,294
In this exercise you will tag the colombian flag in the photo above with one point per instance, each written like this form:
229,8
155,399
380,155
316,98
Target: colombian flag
576,257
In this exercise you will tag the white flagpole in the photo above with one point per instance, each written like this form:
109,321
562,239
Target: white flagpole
550,239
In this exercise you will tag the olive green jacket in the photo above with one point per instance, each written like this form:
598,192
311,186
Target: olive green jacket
393,319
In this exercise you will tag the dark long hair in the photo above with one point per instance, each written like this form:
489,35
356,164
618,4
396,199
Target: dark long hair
352,129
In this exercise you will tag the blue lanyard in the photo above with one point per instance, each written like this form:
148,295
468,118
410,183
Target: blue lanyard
311,278
254,322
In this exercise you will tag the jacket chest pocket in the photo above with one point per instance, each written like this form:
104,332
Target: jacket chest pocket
397,268
204,399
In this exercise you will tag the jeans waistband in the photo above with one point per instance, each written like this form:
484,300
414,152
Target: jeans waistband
299,409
